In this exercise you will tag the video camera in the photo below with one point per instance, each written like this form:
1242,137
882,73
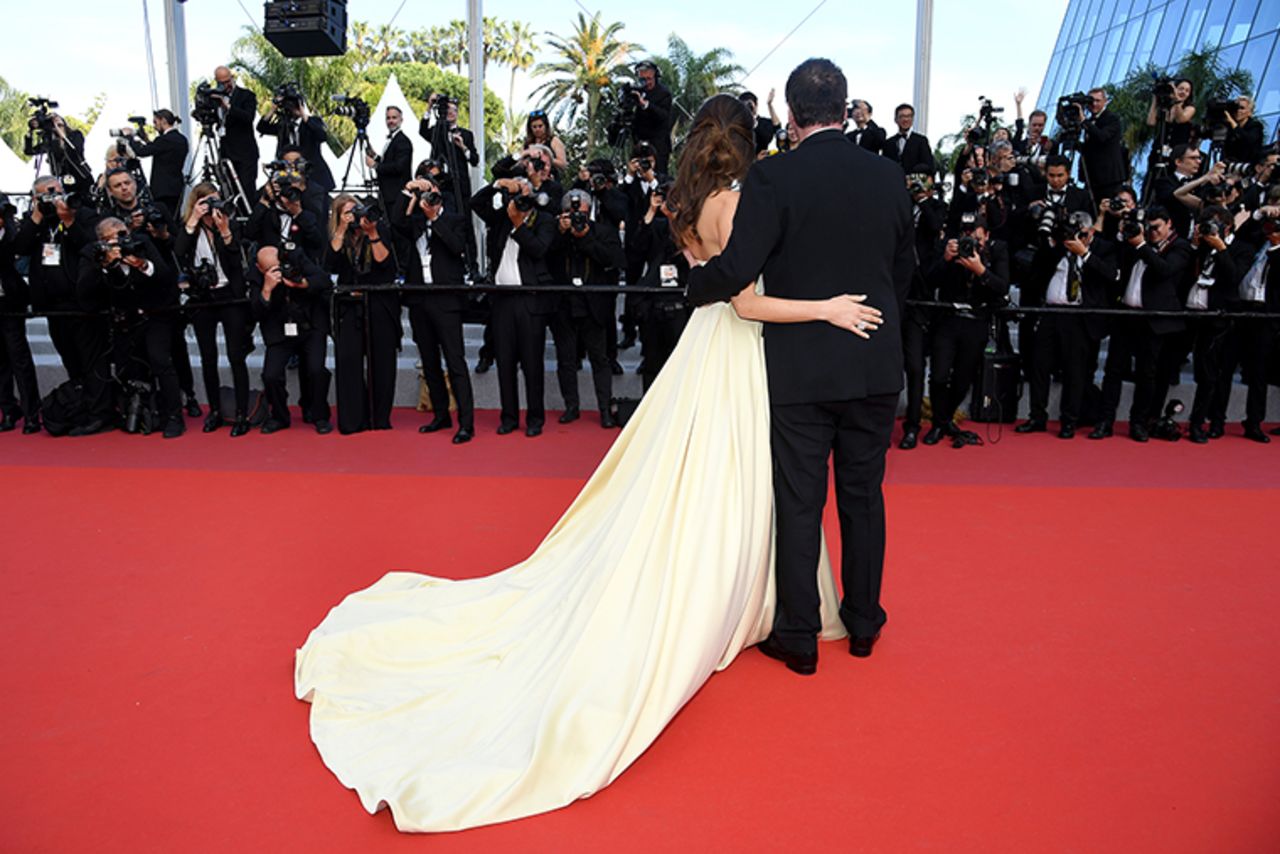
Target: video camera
1164,91
139,123
352,107
441,106
1072,110
1217,114
208,104
288,97
42,119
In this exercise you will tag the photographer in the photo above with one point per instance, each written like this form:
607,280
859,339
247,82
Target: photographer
973,272
48,135
289,120
662,318
537,131
16,365
640,180
51,237
1036,143
464,142
1102,150
238,111
585,253
653,115
599,178
1173,114
765,127
394,166
126,274
1213,289
209,252
280,217
1074,269
366,325
1164,190
909,149
929,215
289,298
1243,143
522,229
1257,248
1153,263
866,132
123,203
433,246
169,149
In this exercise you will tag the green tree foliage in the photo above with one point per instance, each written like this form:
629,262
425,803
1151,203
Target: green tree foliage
693,78
14,113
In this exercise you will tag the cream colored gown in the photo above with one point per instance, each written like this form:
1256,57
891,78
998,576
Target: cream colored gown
463,703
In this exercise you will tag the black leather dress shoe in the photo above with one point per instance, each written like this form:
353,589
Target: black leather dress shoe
504,429
1031,427
532,431
861,647
9,422
1197,435
1275,431
909,438
31,424
1217,430
1138,433
570,415
935,434
436,424
483,366
1102,430
462,436
174,427
192,406
806,664
607,421
1254,432
212,421
1067,431
240,426
97,425
324,426
271,426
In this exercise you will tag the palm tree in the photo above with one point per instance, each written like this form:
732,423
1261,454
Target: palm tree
457,41
517,54
692,78
588,60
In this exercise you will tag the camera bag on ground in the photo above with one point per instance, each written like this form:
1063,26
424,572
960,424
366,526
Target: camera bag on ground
63,409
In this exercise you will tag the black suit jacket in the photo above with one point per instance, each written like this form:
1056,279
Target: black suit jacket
917,154
446,244
1162,282
956,284
395,169
238,142
1097,279
308,307
15,295
1244,143
800,229
871,137
55,286
311,135
1162,191
229,258
535,239
1102,151
264,229
594,259
169,157
654,124
126,288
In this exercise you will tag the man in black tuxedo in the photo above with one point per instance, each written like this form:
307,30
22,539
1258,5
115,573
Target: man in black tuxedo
799,223
765,127
929,215
1102,151
294,127
394,166
1153,265
909,149
865,131
1186,166
16,365
1258,242
169,150
654,113
432,250
1244,142
463,140
239,113
1079,272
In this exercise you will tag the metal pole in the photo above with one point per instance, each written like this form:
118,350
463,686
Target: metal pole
175,32
475,48
924,52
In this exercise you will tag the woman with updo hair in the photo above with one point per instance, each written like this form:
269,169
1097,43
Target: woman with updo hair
538,131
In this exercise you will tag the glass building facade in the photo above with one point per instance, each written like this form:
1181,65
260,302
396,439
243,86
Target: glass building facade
1101,41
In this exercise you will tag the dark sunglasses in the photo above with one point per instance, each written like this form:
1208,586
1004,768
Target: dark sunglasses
538,114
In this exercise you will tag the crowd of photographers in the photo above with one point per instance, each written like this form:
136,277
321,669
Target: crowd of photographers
122,263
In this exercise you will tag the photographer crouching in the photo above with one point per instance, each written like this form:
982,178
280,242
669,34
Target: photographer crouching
974,273
586,253
366,324
289,298
433,251
126,274
209,252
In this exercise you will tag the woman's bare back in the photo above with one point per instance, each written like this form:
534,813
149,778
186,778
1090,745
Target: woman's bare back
715,224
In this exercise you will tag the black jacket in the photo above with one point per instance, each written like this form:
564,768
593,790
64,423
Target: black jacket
169,157
917,154
395,169
311,135
1244,143
265,224
954,283
15,295
229,258
125,288
308,307
238,141
54,287
594,259
446,245
535,239
871,137
654,124
1102,151
1097,279
799,228
1163,281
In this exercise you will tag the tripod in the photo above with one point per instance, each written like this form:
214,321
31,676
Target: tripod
216,169
367,178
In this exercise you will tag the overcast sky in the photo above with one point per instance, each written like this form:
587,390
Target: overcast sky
988,49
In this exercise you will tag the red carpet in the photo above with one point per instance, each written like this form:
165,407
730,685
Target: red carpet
1082,653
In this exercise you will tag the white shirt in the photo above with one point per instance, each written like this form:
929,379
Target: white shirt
1133,292
389,141
205,252
509,267
1059,292
1253,287
424,252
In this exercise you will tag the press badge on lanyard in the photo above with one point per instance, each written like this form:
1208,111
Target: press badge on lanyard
291,330
51,256
669,276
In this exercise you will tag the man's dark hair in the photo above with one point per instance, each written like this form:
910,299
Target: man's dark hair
816,93
902,107
1180,151
866,105
748,96
1056,160
1041,113
1157,212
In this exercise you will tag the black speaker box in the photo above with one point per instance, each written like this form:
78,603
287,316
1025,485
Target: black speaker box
300,28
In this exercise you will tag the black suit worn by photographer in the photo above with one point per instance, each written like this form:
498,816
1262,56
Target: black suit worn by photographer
289,298
662,318
168,153
280,218
1213,288
929,214
1102,149
652,117
366,325
294,127
587,252
522,229
208,250
1257,247
17,368
453,147
432,251
126,274
974,271
235,109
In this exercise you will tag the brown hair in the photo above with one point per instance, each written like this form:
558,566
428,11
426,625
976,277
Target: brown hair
720,149
337,209
198,192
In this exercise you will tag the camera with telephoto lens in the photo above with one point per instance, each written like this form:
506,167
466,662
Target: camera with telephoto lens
1133,223
433,198
366,211
293,261
207,109
579,210
1072,110
202,279
47,204
918,183
524,202
130,246
1055,224
288,97
352,107
967,246
1164,91
1236,170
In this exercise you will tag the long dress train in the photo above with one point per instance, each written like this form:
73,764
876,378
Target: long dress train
463,703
